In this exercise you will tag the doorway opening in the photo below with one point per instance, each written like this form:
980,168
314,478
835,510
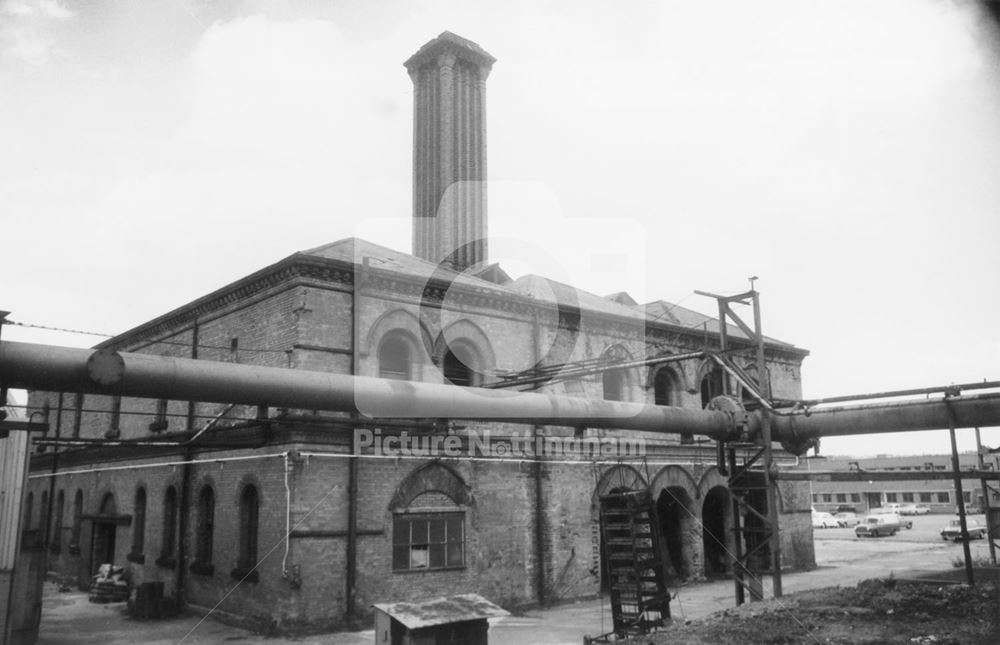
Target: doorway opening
715,513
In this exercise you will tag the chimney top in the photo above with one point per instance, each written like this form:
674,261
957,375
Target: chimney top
462,48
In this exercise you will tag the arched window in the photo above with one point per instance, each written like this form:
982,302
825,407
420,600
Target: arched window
55,542
614,385
166,558
249,516
74,540
29,511
394,358
205,532
43,515
711,386
459,366
428,526
663,387
138,527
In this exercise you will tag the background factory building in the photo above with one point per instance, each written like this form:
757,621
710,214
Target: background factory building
937,493
298,519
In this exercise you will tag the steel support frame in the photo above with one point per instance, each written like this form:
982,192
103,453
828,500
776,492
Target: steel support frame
989,489
763,438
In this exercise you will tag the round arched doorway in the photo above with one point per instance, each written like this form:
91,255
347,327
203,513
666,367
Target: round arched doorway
715,512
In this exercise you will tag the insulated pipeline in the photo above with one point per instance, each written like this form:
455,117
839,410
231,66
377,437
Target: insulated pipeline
64,369
50,368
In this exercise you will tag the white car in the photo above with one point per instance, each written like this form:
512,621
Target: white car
823,520
846,519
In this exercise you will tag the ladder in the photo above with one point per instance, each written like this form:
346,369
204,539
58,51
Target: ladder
640,601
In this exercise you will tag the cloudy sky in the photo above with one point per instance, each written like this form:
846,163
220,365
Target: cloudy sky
847,153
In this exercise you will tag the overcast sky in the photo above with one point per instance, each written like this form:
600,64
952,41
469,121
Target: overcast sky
847,153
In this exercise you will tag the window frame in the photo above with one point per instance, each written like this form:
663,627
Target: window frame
205,532
249,535
405,544
460,365
77,528
169,529
395,346
55,540
139,508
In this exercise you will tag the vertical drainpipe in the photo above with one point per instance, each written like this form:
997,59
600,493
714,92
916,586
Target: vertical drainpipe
182,515
46,537
352,463
539,499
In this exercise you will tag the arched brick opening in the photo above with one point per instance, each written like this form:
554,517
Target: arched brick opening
716,517
675,512
105,534
614,480
431,477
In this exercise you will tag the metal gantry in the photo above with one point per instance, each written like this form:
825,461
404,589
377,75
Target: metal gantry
754,496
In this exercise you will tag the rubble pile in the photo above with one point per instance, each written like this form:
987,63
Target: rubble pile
109,585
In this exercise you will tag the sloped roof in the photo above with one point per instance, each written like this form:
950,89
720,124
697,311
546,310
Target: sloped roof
661,311
542,288
355,250
442,611
535,287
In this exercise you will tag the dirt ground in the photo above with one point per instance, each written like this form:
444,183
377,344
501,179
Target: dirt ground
874,612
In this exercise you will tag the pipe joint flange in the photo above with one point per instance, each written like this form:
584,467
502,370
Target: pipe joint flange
739,419
106,367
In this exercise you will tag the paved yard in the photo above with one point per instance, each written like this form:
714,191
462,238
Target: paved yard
68,619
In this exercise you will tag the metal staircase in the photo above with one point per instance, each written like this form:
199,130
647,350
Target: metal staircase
640,601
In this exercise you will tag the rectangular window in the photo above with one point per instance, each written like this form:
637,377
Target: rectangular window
943,498
841,497
890,497
967,496
926,497
856,498
432,541
907,497
827,497
815,497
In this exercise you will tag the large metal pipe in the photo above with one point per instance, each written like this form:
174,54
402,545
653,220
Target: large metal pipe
894,416
64,369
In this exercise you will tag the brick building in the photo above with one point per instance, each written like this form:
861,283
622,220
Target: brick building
935,492
264,515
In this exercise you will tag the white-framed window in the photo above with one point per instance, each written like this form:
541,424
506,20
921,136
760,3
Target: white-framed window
427,541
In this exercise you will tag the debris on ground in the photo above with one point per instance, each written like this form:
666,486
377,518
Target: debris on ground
875,612
109,585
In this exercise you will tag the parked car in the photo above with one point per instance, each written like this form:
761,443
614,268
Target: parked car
822,520
881,524
922,509
907,509
844,509
974,527
847,518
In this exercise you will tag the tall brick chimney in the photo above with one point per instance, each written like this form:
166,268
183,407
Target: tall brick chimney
449,151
